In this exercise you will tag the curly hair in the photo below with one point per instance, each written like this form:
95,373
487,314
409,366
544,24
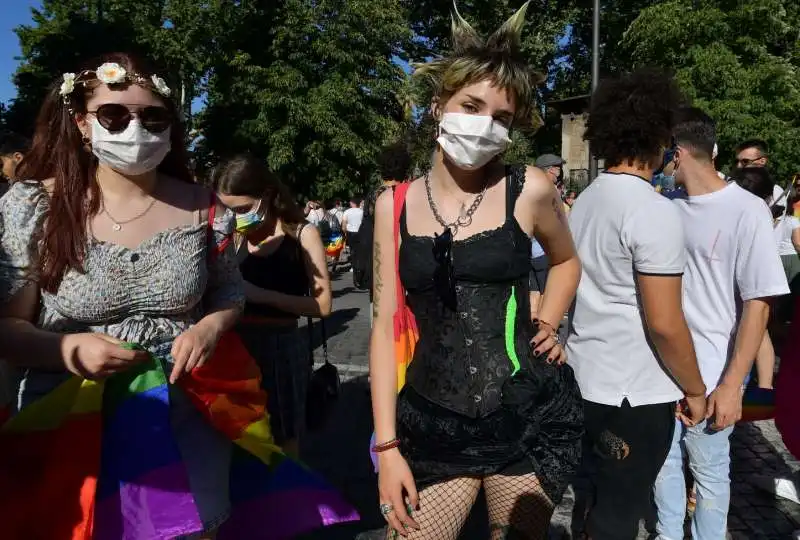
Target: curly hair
631,117
475,59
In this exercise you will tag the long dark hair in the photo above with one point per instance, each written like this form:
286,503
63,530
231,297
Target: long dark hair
58,152
249,176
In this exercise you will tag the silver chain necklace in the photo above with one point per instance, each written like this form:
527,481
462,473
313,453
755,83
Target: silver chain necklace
465,217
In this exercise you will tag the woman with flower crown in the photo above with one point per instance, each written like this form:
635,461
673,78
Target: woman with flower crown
487,401
106,241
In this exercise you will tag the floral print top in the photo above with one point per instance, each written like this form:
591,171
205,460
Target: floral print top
147,296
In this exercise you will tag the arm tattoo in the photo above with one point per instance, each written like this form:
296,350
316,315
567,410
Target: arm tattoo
377,280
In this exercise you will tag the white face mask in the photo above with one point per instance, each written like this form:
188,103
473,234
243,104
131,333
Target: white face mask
132,151
470,140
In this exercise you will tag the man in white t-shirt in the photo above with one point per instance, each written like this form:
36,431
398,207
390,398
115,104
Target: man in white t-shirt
732,272
628,337
351,223
351,219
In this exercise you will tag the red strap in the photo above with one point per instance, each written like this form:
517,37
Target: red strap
399,200
214,249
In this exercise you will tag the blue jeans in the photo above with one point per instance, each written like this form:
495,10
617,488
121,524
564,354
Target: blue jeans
709,463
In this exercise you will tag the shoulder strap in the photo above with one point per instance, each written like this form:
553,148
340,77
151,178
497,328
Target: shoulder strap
400,192
214,249
515,181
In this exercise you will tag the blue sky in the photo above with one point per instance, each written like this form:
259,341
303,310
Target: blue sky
14,13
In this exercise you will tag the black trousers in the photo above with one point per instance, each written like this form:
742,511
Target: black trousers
623,485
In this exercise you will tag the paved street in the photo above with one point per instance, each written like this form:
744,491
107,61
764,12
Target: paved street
341,451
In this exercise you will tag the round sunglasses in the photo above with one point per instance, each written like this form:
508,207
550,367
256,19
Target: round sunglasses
116,117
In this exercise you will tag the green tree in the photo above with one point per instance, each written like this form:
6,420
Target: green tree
739,61
66,33
572,74
310,86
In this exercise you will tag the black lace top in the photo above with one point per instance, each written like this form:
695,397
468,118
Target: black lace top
463,358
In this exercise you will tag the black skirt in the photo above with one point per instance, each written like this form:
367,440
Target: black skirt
538,429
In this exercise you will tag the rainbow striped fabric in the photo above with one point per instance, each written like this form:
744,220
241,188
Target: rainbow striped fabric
98,460
758,404
334,245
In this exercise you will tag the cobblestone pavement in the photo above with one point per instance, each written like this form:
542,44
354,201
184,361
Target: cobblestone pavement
341,451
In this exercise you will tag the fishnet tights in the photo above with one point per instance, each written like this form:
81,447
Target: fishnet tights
518,507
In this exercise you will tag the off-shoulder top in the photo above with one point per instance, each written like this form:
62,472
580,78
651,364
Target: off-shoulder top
148,295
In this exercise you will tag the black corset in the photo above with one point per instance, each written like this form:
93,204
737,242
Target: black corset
461,360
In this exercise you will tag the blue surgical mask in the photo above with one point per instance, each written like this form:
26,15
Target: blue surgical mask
250,220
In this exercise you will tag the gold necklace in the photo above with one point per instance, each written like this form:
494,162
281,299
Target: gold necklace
118,224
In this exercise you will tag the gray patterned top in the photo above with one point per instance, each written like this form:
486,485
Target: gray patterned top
148,296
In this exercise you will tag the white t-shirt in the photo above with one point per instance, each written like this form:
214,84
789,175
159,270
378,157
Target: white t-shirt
731,259
621,226
353,217
783,230
779,196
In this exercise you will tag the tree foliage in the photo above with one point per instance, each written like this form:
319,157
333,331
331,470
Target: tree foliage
318,87
310,86
739,61
67,33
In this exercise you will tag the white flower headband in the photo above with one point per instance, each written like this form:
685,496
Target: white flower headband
109,73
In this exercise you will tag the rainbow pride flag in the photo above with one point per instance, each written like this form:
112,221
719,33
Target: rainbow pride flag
334,245
758,404
98,460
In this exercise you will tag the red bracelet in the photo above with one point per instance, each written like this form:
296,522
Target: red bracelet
388,445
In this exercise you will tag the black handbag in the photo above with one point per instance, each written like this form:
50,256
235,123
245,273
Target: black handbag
325,385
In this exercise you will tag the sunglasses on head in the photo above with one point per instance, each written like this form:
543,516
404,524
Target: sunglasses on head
443,278
116,117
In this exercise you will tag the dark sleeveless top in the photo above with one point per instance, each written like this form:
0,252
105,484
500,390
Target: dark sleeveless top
283,270
463,358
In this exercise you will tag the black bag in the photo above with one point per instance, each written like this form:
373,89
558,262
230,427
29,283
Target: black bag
325,385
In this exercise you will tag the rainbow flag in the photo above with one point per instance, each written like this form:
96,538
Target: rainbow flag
40,497
98,460
758,404
334,245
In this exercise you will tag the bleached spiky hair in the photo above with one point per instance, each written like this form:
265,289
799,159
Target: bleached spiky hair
475,59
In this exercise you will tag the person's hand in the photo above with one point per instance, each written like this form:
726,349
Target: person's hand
97,356
725,405
192,349
546,341
394,478
691,410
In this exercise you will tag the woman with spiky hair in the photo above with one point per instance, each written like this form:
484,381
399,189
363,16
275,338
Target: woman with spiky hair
487,400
